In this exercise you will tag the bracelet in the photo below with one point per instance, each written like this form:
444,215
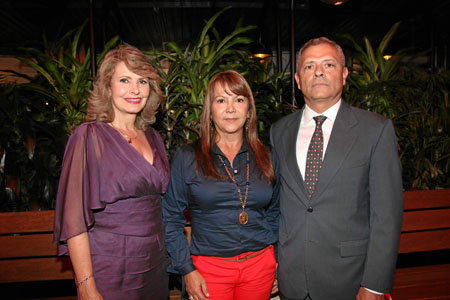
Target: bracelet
80,283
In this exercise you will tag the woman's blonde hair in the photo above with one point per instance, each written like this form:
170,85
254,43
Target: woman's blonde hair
100,100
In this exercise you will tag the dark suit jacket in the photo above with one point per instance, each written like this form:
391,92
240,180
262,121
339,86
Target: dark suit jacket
346,235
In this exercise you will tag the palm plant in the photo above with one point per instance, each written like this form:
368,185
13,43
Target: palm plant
32,144
37,118
370,71
68,75
423,132
270,89
185,82
415,100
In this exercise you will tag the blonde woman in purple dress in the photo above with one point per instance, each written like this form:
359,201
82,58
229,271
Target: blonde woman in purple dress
115,169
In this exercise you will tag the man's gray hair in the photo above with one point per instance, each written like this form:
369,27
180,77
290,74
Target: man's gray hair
319,41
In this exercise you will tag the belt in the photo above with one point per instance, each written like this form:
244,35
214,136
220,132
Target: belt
251,255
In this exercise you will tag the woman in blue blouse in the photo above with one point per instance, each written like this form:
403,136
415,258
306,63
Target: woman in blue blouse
227,180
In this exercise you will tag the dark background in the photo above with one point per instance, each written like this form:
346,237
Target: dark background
149,24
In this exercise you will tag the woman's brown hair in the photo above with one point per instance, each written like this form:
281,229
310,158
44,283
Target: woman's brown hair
100,100
235,83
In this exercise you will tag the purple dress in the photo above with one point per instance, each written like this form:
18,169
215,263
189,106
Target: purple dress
110,190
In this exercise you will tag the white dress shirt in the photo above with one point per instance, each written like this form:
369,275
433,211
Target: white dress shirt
306,130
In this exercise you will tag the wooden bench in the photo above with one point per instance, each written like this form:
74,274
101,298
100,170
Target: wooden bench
426,227
28,255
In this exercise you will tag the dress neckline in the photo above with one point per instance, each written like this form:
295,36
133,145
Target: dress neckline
150,142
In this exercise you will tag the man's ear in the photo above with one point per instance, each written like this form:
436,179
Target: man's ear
297,79
344,75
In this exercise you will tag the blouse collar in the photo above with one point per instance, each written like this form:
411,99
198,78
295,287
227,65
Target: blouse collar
244,148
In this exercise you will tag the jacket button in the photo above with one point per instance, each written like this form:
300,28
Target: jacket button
310,209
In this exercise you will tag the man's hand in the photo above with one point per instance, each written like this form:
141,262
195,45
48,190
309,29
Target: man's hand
364,294
196,286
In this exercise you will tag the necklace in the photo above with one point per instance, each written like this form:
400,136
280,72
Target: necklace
243,216
126,136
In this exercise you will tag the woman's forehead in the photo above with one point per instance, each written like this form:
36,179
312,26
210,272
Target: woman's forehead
222,87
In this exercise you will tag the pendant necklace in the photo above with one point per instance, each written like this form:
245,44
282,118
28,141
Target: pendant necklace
126,136
243,216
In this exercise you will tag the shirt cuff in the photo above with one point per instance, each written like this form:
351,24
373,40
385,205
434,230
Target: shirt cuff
372,291
188,268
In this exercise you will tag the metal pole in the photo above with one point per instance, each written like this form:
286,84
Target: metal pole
279,58
445,57
91,31
294,102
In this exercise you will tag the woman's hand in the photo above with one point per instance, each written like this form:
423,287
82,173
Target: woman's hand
274,287
80,255
196,286
88,291
275,284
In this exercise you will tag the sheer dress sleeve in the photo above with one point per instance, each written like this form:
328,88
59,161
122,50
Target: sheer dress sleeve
79,186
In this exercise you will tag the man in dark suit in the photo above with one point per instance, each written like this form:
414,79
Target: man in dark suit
341,189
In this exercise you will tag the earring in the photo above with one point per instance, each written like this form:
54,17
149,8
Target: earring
211,122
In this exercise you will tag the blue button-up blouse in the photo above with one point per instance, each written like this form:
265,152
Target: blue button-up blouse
214,208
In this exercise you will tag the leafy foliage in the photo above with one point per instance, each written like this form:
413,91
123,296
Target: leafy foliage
36,118
69,76
271,90
32,144
415,100
186,80
190,69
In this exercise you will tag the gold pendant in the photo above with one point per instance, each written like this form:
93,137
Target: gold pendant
243,218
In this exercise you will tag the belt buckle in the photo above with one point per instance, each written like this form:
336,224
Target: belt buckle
242,259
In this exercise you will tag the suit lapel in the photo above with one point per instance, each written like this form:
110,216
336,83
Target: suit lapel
340,143
289,141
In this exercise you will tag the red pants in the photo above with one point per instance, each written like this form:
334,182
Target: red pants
250,279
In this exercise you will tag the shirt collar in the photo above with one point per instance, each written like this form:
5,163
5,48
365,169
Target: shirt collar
244,148
309,114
